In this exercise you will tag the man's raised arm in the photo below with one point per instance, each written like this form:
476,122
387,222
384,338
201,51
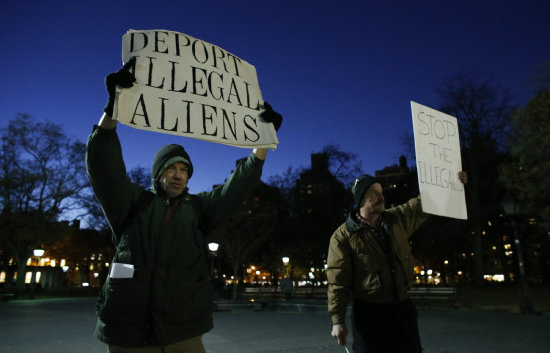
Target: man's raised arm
123,78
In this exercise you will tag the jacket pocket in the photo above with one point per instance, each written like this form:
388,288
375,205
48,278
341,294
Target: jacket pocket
189,302
123,300
371,282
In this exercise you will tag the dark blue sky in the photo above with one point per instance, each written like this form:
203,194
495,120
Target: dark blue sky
341,72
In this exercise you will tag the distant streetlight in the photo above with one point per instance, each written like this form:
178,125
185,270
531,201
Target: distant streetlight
35,277
286,267
510,209
213,249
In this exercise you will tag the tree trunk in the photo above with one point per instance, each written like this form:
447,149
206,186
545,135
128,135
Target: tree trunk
475,216
21,272
235,277
21,261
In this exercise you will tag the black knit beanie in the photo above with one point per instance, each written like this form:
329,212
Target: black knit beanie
170,153
360,187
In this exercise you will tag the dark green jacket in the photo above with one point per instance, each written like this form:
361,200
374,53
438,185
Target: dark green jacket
169,298
357,263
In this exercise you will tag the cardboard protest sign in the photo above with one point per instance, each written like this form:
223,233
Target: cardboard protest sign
438,162
185,86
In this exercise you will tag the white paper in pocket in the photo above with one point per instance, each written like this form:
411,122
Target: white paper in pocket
119,270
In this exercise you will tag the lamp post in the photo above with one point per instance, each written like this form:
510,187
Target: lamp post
213,249
286,267
38,252
287,284
510,209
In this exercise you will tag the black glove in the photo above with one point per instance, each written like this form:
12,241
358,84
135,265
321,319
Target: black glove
122,78
271,116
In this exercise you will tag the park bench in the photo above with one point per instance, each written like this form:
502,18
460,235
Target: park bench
433,296
6,296
319,293
261,296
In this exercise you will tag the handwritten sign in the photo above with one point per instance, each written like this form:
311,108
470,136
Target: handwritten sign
185,86
438,162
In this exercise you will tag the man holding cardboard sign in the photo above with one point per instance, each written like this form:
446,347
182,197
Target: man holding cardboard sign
158,296
370,257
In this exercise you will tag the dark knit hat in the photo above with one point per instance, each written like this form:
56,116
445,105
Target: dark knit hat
360,187
167,155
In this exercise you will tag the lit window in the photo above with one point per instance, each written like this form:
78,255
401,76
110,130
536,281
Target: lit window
37,277
2,277
28,277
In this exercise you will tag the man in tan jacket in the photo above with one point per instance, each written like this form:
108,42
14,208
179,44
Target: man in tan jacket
370,256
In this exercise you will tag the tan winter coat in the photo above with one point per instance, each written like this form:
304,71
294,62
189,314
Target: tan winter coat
357,263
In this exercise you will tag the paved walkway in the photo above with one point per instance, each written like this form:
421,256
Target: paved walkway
66,325
305,328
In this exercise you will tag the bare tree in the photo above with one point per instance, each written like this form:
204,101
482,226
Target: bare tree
482,109
345,166
527,173
42,176
248,230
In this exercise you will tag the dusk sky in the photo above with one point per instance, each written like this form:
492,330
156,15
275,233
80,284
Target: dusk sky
340,72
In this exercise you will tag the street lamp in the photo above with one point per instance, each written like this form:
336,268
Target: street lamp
38,252
213,249
510,209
